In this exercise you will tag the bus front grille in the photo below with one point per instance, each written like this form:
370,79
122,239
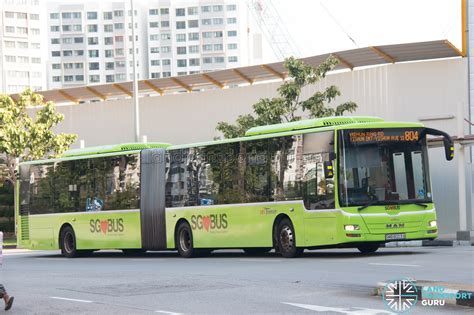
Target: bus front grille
24,223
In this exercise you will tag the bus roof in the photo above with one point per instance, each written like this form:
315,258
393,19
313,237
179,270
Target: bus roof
303,126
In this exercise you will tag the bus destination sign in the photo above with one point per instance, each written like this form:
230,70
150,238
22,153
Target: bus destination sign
385,135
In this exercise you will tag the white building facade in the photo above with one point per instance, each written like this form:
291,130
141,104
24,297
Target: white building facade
91,43
22,63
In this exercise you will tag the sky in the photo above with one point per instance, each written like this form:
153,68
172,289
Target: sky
320,26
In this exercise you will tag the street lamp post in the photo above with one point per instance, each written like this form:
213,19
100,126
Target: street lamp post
135,83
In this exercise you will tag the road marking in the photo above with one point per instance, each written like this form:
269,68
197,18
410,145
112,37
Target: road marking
398,265
261,260
342,310
67,299
166,312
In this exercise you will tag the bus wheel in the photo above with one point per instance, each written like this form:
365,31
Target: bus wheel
68,243
286,239
368,248
257,251
184,240
133,252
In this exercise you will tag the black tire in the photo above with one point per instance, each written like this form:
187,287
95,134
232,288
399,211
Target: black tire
286,239
133,252
67,242
257,251
184,241
368,248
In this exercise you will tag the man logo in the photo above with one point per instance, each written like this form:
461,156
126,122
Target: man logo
395,225
400,295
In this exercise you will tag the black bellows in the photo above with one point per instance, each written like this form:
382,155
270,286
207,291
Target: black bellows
152,198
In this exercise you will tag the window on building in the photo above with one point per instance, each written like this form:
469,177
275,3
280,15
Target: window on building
34,31
55,53
217,8
218,59
232,58
66,15
23,59
78,40
93,40
154,36
78,53
35,60
165,23
207,47
194,62
109,53
108,28
94,78
153,12
56,66
67,40
155,75
180,12
193,49
231,33
119,26
207,34
166,74
34,16
155,62
79,77
207,60
180,37
54,28
10,29
180,25
119,52
76,15
206,8
121,77
108,40
232,46
109,65
165,36
68,78
9,44
218,47
118,13
93,53
79,65
166,62
107,15
55,41
56,78
165,49
154,24
165,11
21,16
77,28
154,50
193,36
217,21
22,45
193,23
22,30
181,50
94,66
119,39
232,20
54,16
120,64
231,7
67,53
10,58
92,15
206,22
109,78
218,34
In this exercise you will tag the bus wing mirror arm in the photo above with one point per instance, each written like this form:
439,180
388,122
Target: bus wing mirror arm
447,141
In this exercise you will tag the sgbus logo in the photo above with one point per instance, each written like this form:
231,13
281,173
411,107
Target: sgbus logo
106,226
209,222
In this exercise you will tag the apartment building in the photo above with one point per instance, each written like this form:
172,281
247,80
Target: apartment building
22,61
186,37
90,42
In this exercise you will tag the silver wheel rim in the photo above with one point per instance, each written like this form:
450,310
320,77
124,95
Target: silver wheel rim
286,238
185,240
68,242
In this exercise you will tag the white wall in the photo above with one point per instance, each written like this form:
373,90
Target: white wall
403,92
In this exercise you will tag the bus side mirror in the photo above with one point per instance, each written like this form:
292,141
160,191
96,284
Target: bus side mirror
332,156
328,169
447,141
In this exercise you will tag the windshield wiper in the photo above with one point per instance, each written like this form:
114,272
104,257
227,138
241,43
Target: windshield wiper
368,204
424,205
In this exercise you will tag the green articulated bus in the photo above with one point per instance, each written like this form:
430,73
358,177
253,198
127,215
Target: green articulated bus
330,182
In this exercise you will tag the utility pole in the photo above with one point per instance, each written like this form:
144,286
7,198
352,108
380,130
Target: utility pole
135,83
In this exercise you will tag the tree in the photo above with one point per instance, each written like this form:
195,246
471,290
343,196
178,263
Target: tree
285,107
23,137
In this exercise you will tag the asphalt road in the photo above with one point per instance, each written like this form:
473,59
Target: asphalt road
228,282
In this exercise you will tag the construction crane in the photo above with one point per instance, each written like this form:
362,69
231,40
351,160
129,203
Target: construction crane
273,28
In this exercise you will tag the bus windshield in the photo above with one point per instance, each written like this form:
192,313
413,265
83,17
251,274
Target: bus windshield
383,166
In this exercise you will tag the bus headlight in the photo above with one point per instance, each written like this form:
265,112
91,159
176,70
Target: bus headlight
351,227
432,224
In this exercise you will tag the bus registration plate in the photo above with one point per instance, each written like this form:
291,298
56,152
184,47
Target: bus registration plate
395,237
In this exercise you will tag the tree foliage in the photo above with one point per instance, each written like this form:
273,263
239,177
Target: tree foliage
287,106
24,137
